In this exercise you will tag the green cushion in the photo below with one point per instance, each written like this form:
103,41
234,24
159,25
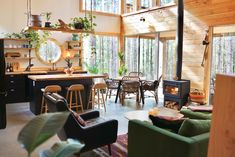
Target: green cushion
193,127
195,115
170,125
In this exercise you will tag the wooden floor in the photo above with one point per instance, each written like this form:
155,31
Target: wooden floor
19,114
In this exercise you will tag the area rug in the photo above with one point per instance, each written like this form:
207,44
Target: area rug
119,148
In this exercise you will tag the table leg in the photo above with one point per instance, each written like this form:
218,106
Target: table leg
142,93
118,90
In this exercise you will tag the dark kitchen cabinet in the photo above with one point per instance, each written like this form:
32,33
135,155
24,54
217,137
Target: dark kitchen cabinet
16,88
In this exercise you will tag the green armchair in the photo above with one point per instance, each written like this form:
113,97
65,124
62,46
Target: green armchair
145,139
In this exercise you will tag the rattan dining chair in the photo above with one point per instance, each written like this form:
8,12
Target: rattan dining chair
152,87
130,84
111,85
135,73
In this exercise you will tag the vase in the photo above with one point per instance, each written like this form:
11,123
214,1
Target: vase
69,71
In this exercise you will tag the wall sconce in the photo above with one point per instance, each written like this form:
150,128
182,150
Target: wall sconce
142,19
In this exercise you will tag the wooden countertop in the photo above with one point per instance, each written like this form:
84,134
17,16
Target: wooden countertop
64,77
26,72
37,72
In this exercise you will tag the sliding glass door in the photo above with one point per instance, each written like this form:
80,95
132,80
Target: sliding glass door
141,55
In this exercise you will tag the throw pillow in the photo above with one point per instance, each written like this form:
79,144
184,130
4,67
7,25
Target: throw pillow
79,118
193,127
172,125
195,115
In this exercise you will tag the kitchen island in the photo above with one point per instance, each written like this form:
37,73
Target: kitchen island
41,81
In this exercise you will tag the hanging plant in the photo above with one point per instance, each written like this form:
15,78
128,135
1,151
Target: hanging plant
86,23
122,68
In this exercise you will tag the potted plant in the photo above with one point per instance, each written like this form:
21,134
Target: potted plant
43,127
85,23
76,23
48,17
68,70
36,38
122,69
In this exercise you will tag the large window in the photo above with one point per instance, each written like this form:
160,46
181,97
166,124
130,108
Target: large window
101,52
223,58
144,60
164,2
146,4
107,6
169,63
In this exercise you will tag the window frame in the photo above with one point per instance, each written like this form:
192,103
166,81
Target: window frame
99,12
107,34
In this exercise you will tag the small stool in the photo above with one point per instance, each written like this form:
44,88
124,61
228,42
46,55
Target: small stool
99,88
76,89
52,89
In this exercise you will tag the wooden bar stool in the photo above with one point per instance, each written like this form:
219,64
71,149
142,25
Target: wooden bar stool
51,89
98,88
75,90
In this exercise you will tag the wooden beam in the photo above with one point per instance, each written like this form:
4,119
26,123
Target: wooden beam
207,65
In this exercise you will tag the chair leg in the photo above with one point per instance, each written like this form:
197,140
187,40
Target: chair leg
93,98
110,93
76,99
80,98
71,100
107,91
102,94
110,151
90,99
43,104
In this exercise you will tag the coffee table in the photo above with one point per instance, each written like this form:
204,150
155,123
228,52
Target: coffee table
143,115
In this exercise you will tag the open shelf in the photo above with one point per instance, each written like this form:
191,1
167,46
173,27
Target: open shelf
19,58
22,49
65,30
15,39
73,41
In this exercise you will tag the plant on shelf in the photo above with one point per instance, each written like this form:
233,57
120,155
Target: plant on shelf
68,70
85,23
43,127
122,68
36,38
47,15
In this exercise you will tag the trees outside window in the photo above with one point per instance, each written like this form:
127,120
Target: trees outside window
101,52
146,4
144,60
164,2
106,6
223,58
169,63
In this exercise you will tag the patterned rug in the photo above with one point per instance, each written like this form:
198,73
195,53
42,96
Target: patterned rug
119,149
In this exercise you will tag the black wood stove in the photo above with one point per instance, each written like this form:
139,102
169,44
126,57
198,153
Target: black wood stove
176,93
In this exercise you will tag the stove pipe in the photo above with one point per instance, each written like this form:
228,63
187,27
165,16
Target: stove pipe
179,38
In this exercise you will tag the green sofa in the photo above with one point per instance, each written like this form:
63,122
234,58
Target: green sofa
147,140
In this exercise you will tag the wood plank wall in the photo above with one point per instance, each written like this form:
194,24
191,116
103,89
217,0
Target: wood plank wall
161,20
222,134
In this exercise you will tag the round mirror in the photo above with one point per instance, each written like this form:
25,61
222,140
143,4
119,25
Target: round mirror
50,51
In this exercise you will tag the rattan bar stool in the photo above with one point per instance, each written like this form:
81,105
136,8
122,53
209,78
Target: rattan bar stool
51,89
75,90
97,89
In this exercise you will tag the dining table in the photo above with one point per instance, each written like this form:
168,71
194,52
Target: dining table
119,79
